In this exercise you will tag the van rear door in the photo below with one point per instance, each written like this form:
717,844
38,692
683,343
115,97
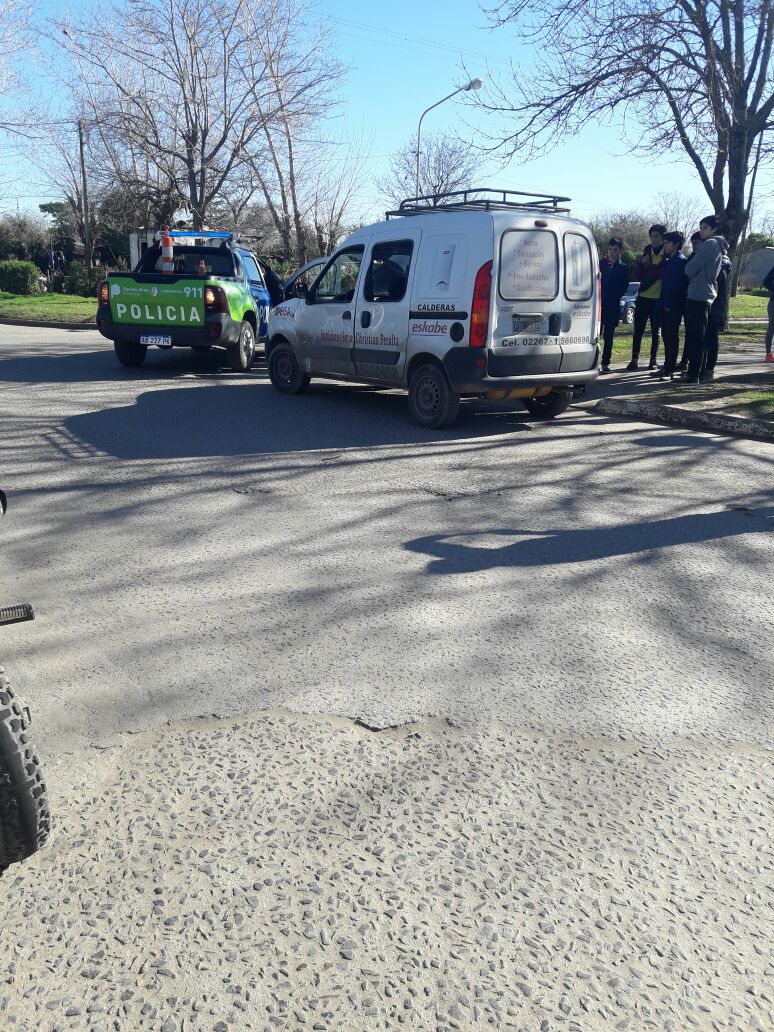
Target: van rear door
528,312
579,323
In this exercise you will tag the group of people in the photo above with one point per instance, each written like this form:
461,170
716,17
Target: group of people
673,289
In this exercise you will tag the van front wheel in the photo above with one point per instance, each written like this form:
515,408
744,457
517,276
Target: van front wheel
548,405
432,402
284,371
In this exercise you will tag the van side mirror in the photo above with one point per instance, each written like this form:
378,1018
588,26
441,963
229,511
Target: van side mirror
300,289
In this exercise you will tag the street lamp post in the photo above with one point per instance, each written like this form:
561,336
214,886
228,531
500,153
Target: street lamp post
474,84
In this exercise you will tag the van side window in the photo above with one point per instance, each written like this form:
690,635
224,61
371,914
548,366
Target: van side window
387,276
337,282
529,265
578,269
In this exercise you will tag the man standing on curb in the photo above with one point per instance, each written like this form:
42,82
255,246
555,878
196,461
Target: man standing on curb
702,271
674,285
718,314
615,280
768,284
648,271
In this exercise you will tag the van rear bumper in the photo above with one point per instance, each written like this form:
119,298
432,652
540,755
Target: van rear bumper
468,374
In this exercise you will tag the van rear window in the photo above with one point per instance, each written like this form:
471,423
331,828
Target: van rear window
578,272
529,265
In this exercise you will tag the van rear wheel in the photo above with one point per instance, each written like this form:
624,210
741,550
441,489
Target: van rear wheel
130,354
548,405
284,371
432,402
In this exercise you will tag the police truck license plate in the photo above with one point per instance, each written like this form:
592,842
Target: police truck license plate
157,340
526,324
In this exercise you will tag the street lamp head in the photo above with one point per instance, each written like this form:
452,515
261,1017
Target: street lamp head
474,84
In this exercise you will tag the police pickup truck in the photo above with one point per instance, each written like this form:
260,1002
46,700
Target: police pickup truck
199,290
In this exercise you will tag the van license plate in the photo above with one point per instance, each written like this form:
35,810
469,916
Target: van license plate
157,340
526,323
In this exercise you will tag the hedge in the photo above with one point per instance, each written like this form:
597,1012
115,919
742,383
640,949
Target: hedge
19,277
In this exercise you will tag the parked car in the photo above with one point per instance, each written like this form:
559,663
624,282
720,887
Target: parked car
215,296
628,302
475,293
304,277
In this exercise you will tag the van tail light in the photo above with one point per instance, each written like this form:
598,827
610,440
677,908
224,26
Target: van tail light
103,294
479,312
215,299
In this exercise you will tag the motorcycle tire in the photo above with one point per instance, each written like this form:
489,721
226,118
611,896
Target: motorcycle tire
24,814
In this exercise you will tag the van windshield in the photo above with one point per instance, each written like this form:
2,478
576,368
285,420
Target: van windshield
529,265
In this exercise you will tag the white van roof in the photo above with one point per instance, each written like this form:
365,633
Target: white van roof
475,201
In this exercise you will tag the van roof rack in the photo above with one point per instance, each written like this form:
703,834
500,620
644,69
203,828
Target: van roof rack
480,199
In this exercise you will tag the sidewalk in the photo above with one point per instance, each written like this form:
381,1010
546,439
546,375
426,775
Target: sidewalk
739,401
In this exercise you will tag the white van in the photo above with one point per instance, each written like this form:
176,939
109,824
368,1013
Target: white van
472,294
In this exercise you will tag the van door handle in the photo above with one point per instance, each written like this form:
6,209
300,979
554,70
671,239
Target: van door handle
346,315
554,324
365,320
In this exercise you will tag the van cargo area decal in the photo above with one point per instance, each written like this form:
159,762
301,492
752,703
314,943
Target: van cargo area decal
528,265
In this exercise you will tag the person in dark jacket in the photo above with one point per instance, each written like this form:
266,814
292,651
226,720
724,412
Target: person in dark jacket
648,271
682,365
615,280
674,286
717,317
768,283
702,271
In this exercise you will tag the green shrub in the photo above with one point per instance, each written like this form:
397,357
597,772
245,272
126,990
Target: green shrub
78,280
19,277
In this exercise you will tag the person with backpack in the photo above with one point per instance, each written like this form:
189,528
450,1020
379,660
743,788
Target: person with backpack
615,280
717,317
702,271
648,271
768,284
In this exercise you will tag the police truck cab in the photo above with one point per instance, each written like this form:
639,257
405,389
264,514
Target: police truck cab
475,293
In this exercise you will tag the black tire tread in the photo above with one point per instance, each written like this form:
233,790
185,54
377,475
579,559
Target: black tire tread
25,820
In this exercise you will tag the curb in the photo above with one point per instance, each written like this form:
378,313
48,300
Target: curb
51,325
713,422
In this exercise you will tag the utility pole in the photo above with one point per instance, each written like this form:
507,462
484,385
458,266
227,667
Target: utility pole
84,187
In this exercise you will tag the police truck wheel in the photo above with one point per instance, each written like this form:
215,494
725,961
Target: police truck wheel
24,814
240,354
432,402
285,372
548,405
129,354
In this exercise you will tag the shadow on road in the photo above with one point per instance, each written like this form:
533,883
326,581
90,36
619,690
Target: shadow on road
41,366
473,551
252,418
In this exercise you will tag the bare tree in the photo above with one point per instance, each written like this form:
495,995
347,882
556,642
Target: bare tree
333,191
185,85
697,74
445,164
292,114
678,211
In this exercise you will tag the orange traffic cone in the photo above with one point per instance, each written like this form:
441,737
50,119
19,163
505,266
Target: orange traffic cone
167,252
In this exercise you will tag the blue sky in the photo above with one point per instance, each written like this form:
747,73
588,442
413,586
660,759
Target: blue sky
405,55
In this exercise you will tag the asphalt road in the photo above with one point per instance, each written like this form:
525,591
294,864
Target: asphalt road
195,544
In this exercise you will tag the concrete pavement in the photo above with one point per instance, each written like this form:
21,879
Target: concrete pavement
573,835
